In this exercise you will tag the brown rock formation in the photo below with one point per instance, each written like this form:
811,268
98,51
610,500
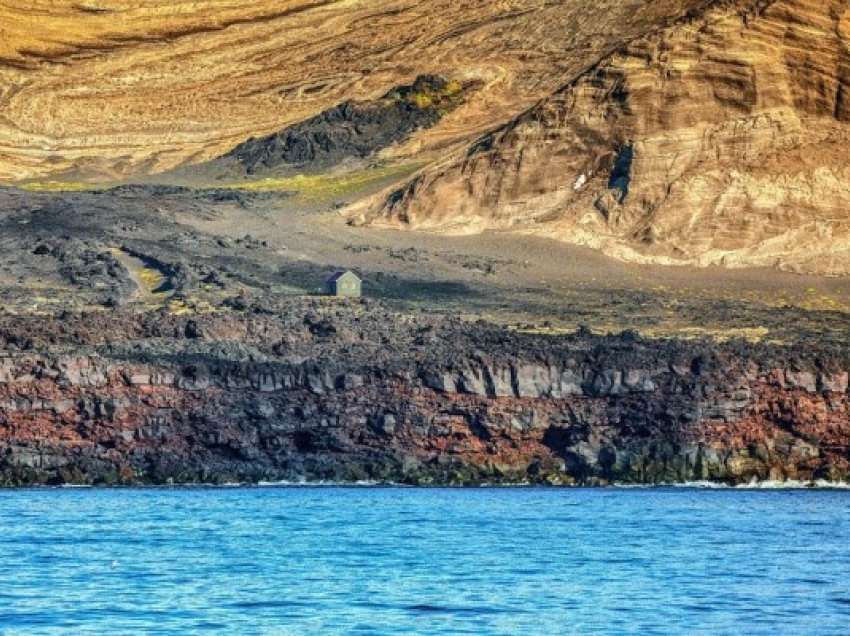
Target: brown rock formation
697,131
719,140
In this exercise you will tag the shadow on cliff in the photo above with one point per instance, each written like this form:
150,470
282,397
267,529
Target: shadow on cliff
310,277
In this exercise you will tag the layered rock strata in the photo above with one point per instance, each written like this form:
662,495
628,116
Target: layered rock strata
347,393
720,140
111,89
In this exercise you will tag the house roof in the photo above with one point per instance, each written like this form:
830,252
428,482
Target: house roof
337,275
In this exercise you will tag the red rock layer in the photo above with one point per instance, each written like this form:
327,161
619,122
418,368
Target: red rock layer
106,420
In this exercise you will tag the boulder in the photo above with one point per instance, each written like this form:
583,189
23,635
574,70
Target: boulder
804,380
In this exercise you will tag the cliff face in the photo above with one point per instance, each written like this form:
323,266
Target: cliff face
311,395
110,89
719,140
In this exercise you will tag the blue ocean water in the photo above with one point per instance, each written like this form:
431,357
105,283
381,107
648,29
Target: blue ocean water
408,561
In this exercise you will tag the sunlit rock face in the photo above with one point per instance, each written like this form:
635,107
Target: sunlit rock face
721,139
114,88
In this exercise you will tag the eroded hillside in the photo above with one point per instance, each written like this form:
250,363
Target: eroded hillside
111,89
699,132
721,139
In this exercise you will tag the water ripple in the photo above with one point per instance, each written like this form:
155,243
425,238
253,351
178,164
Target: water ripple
441,561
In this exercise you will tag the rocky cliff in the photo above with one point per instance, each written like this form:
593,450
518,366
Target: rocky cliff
322,391
720,139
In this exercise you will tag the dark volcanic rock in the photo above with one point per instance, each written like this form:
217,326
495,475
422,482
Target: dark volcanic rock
352,129
181,194
346,392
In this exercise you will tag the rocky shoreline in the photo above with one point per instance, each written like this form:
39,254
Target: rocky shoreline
311,389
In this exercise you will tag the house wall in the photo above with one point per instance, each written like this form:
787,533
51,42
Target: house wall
348,287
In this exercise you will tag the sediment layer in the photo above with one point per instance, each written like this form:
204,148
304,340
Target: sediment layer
720,140
111,89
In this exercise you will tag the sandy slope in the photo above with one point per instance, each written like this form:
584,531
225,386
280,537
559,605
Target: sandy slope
118,87
687,132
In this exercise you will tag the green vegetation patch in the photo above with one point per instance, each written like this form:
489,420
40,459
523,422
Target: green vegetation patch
56,186
327,187
427,93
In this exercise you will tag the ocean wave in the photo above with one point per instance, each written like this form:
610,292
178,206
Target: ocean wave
817,484
324,484
769,484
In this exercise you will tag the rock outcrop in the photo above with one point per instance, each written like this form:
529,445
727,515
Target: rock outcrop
351,130
319,392
719,140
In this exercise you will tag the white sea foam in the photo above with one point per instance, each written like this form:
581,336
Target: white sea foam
323,484
817,484
790,484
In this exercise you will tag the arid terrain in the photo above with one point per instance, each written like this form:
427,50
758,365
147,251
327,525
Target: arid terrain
156,334
718,140
107,89
600,242
687,132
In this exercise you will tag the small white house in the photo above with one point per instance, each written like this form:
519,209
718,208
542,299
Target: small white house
344,284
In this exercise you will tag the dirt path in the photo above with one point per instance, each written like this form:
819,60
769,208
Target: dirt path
152,285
